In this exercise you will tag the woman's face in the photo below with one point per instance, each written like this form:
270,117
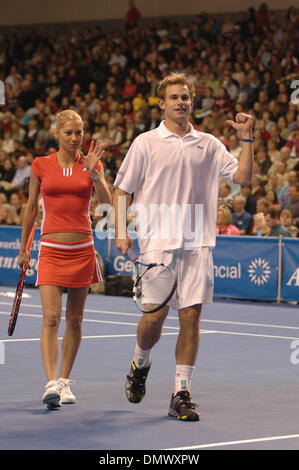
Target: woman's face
270,196
70,135
14,199
220,218
7,164
258,221
3,213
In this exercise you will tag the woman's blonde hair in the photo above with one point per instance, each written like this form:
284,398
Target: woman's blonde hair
11,215
227,215
64,116
174,79
264,226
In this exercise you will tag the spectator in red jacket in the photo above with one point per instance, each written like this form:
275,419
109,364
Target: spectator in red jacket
133,16
224,222
293,141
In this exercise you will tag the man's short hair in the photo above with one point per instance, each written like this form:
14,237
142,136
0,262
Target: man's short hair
272,212
174,79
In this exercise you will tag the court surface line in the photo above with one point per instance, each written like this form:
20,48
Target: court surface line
230,443
173,328
108,312
90,320
20,340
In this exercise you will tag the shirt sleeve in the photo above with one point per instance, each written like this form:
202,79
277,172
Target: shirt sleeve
131,171
35,167
228,164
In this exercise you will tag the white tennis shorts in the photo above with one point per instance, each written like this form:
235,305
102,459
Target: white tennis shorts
194,271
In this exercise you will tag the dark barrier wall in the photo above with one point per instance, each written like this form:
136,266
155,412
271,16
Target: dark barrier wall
34,12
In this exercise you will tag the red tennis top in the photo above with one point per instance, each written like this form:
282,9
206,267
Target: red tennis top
65,195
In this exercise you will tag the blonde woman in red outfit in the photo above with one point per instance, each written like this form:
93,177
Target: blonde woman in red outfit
224,222
64,182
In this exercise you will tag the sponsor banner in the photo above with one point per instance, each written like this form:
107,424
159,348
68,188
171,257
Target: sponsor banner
290,270
10,241
246,267
116,262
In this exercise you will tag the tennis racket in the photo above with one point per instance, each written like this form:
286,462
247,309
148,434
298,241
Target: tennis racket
19,289
154,285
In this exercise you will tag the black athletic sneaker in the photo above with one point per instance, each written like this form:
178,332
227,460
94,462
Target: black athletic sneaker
181,407
135,383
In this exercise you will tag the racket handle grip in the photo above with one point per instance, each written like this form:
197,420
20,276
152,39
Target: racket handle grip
131,254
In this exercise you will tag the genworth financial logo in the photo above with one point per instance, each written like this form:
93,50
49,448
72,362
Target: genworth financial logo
259,271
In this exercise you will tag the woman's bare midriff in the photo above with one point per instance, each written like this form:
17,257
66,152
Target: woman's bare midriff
66,236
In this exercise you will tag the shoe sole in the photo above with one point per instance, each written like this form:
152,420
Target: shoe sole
128,393
52,401
68,401
174,414
53,407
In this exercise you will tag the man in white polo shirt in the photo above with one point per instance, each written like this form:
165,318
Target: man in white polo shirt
175,170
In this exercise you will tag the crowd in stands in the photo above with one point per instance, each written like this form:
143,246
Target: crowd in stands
249,64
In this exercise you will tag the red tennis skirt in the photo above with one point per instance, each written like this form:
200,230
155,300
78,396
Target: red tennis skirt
71,264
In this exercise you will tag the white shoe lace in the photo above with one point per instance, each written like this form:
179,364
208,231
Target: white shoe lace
54,384
65,386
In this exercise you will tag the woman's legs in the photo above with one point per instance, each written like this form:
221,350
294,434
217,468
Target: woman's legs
51,303
73,333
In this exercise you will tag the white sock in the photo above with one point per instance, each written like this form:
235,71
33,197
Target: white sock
142,357
183,378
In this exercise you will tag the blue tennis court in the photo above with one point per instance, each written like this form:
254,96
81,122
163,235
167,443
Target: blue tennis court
246,381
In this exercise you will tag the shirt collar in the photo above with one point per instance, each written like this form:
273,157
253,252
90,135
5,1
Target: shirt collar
164,132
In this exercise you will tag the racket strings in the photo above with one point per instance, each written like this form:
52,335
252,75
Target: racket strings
154,287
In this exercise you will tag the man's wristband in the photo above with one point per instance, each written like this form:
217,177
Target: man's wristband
246,140
94,178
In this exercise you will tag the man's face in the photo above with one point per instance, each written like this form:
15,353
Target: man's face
292,177
177,103
281,168
285,153
223,190
238,205
245,191
269,221
294,194
22,162
286,219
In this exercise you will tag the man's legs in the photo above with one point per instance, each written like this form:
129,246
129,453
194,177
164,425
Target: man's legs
150,327
181,405
188,339
148,334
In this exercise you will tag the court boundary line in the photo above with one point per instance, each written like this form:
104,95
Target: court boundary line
203,320
20,340
128,335
229,443
235,333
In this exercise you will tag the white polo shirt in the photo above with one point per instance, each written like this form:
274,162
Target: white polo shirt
175,182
